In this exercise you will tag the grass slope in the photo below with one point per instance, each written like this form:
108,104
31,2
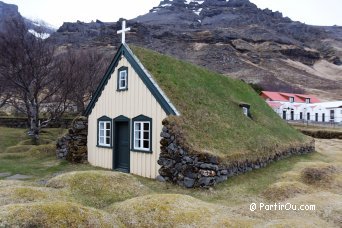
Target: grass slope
211,117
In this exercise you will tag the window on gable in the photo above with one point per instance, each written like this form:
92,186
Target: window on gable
122,79
104,133
245,111
307,100
291,99
142,134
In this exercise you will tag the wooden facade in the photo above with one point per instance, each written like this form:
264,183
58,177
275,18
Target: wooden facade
137,100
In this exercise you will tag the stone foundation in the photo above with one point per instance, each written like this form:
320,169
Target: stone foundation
73,145
203,170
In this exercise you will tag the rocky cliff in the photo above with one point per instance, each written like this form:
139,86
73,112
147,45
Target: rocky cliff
232,37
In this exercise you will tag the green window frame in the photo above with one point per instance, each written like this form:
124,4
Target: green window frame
104,132
142,134
122,81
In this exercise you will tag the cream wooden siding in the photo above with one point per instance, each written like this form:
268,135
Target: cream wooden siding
135,101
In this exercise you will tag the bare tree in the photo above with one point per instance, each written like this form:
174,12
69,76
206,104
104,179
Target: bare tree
4,91
27,64
84,69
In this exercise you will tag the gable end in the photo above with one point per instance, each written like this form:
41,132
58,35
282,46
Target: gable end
144,76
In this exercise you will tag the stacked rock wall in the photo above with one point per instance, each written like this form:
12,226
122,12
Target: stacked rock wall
73,145
203,170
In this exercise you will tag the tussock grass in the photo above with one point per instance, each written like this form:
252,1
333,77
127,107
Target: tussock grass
8,183
284,190
54,214
18,149
10,137
99,188
168,210
211,118
27,194
320,175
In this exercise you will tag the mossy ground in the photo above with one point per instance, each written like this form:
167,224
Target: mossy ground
83,196
106,187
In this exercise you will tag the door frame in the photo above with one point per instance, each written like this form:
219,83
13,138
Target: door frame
116,120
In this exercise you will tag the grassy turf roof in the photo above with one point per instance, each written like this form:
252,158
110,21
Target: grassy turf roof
211,117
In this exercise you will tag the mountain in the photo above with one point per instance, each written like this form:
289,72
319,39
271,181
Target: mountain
36,27
232,37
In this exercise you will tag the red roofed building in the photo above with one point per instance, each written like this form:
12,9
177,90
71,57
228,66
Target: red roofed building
302,107
289,97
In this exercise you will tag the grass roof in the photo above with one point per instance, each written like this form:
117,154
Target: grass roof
211,118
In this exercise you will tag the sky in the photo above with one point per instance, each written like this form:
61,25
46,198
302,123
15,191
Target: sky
55,12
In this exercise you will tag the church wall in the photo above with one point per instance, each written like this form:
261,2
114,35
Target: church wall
137,100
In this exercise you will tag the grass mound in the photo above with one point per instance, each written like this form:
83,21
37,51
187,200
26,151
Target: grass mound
318,175
211,117
99,188
27,194
42,141
18,149
54,214
168,210
284,190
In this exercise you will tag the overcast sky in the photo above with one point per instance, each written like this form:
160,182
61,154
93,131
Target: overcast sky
55,12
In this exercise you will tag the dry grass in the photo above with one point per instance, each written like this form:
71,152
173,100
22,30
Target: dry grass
318,175
28,194
55,214
284,190
99,188
328,205
167,210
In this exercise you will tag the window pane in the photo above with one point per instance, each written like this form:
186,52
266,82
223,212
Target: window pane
137,143
101,125
146,144
123,74
108,141
137,135
137,126
108,133
101,140
146,126
147,135
107,125
122,83
101,133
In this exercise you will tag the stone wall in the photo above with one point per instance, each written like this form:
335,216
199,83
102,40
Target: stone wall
182,166
73,145
19,122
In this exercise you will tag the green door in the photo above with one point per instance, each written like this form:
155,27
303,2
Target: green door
121,148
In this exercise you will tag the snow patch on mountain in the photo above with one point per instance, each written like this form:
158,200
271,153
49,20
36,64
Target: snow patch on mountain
39,35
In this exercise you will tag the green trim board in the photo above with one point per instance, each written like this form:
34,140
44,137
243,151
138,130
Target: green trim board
116,120
123,68
146,119
144,76
104,118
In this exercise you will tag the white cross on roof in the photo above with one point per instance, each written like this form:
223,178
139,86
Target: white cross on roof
122,31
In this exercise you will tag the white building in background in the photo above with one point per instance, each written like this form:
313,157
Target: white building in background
300,107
